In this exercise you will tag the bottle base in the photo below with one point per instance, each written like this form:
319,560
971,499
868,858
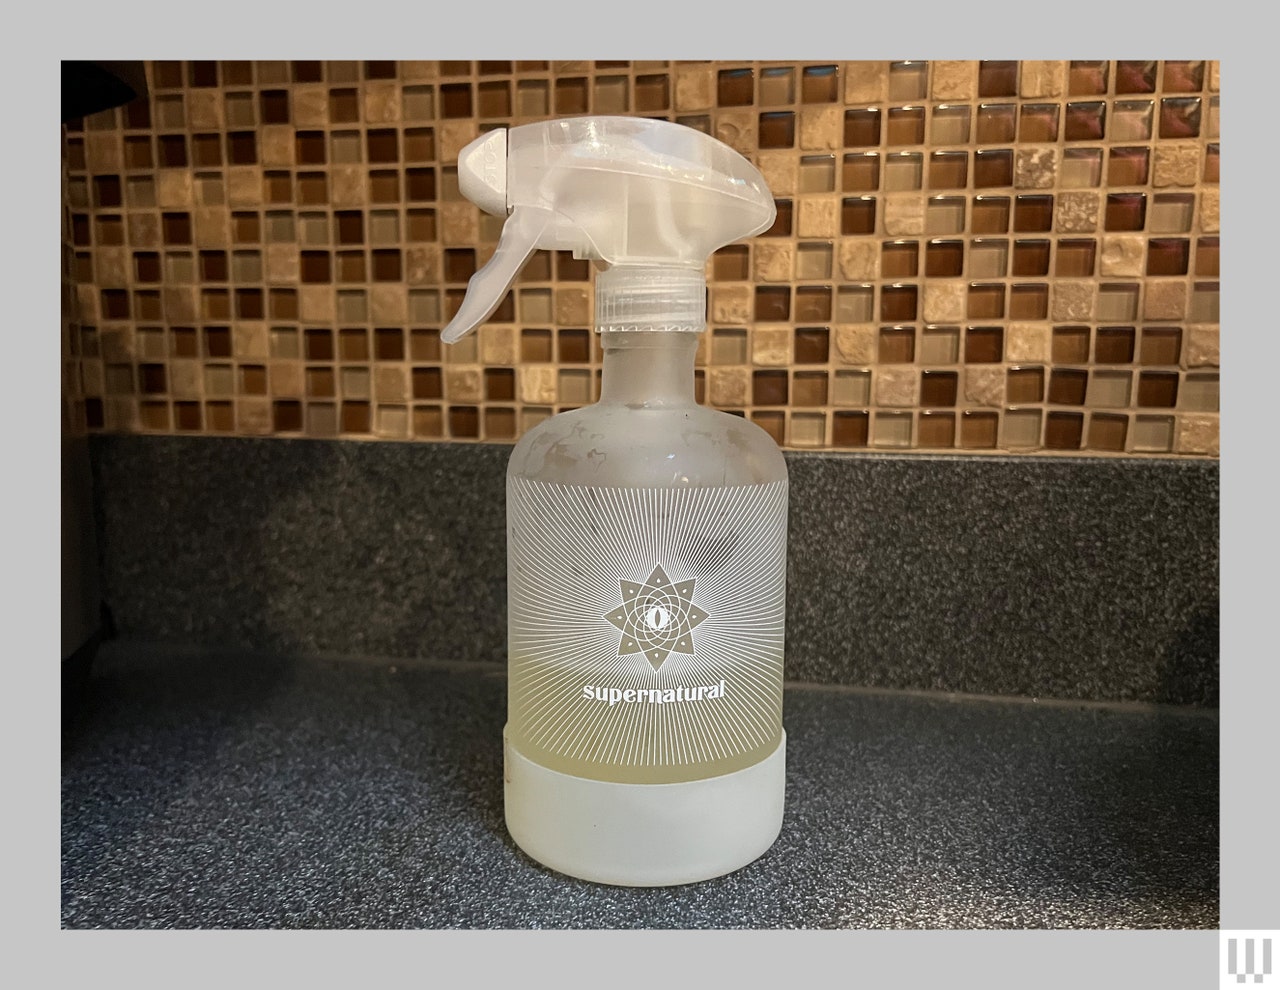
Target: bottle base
644,835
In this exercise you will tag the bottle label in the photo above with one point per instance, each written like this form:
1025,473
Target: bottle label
645,628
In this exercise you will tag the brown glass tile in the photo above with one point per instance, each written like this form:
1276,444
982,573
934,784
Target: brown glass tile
202,74
253,379
652,93
312,189
820,84
944,258
1168,256
993,168
154,415
428,422
427,383
809,388
948,170
1180,117
984,345
997,78
899,259
1126,211
493,99
936,429
137,153
246,228
905,126
1115,345
1128,166
455,100
1085,122
1028,301
1108,432
1158,388
574,346
1211,164
115,304
1136,76
187,417
861,172
146,266
344,106
356,417
278,187
861,128
220,417
283,304
1071,345
735,88
858,216
173,150
1033,214
1063,430
535,345
1087,78
1024,385
1068,386
500,423
500,384
897,345
382,145
321,382
318,344
997,123
388,344
813,304
1183,77
137,115
769,388
1030,257
991,214
571,96
978,430
1076,258
773,423
849,429
273,106
1207,257
898,303
938,388
985,301
812,345
777,129
773,303
152,379
1161,345
186,343
1038,123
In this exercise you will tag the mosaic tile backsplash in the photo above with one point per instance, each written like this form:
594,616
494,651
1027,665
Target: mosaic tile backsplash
969,256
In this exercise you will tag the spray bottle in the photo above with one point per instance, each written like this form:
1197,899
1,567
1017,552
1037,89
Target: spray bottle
646,534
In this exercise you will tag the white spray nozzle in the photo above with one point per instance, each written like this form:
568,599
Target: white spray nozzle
626,191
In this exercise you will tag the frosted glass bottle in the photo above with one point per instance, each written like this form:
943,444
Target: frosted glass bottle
647,554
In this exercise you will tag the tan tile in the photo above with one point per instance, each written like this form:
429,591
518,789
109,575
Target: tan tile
111,267
537,383
459,224
737,129
498,345
174,188
1164,299
773,261
87,303
866,82
771,346
984,384
249,339
1175,165
286,379
144,230
348,185
253,415
1213,75
945,300
818,217
310,106
118,344
453,136
212,226
204,109
381,102
1198,433
316,303
282,264
103,152
729,387
422,264
181,303
121,414
695,88
822,129
244,186
1210,209
1076,212
731,305
1042,80
781,171
1035,168
859,259
895,386
954,80
185,378
463,384
389,304
904,214
417,70
1201,348
276,144
1122,254
1027,343
1072,299
573,307
856,343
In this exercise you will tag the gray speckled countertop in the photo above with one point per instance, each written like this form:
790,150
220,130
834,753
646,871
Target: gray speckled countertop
228,790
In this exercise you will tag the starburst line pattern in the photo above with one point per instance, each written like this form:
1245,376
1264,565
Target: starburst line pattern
657,617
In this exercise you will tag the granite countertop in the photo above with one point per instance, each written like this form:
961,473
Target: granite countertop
227,790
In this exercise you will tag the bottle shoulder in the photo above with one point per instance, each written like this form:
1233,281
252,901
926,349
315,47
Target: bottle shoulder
617,445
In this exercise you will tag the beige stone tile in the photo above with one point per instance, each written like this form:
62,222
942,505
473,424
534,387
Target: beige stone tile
498,345
286,379
348,185
1122,254
174,188
771,346
695,88
781,171
282,264
253,416
316,303
1035,168
1077,212
310,106
1175,165
818,217
463,384
250,340
856,344
1072,299
984,385
537,383
573,307
1210,216
1164,299
904,214
1198,433
773,261
731,305
953,80
204,109
452,136
459,224
737,129
1201,347
729,387
859,259
181,303
944,301
104,152
866,82
895,386
212,226
381,102
1042,80
244,186
422,264
389,304
1027,343
276,145
822,129
144,230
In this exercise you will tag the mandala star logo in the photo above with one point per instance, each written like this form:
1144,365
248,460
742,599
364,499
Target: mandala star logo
657,618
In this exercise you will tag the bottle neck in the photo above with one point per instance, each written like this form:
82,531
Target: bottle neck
652,369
